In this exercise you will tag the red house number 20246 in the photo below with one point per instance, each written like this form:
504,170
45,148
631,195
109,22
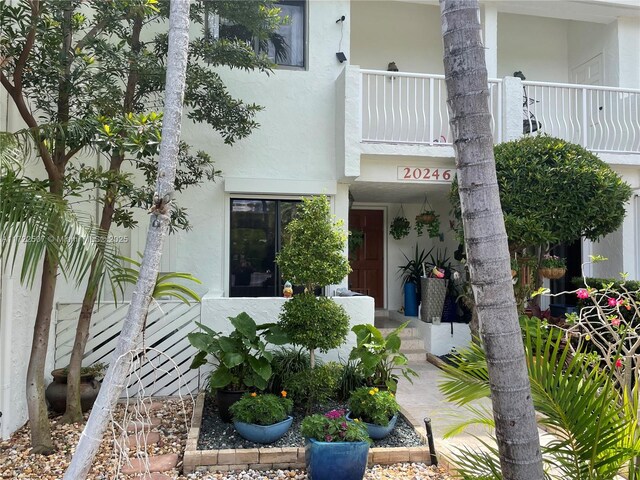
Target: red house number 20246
424,174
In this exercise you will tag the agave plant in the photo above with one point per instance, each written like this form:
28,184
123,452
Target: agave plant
594,431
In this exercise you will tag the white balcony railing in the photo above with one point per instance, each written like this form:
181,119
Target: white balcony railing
411,108
602,119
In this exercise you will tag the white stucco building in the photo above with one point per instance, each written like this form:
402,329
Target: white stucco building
374,141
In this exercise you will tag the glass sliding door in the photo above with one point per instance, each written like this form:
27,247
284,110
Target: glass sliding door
257,228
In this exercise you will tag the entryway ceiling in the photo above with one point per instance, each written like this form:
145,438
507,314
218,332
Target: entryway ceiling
372,192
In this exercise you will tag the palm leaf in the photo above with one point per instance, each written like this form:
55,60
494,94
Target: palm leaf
34,222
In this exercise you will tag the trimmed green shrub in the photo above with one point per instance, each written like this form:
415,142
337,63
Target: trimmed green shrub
315,387
315,323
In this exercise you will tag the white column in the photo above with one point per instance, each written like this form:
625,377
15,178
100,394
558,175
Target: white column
628,52
490,38
512,108
348,123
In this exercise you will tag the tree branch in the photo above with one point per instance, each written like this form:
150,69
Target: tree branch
28,45
28,118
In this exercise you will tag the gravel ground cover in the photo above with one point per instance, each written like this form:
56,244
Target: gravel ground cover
16,462
216,434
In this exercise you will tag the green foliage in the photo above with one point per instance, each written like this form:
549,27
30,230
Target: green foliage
314,323
315,387
429,219
350,380
266,409
313,253
97,369
552,261
400,227
333,427
165,283
412,270
372,405
379,357
241,358
553,191
618,285
75,241
285,363
594,426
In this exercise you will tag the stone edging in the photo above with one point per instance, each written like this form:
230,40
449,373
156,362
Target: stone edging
280,458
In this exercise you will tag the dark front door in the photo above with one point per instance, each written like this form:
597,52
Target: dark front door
367,261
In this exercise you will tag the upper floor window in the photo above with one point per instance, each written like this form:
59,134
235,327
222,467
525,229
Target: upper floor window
292,33
285,47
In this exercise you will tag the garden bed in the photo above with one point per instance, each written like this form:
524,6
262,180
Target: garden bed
215,446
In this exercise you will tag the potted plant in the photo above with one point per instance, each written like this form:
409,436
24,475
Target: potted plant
376,409
241,359
379,357
411,272
429,219
552,267
335,448
262,418
400,227
434,285
56,392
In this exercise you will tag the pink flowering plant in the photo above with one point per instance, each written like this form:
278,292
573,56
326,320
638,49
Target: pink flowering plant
333,427
607,326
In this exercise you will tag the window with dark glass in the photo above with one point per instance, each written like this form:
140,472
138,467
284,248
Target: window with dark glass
285,47
257,228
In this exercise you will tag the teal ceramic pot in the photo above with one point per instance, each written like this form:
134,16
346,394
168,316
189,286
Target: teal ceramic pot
336,460
263,433
376,432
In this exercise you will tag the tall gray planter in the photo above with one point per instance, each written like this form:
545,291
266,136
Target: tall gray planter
434,291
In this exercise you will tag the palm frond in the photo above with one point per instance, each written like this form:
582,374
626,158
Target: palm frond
467,378
165,285
34,222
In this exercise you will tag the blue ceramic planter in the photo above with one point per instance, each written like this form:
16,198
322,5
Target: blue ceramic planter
336,460
376,432
263,433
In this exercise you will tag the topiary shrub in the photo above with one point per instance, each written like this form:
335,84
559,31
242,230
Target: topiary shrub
314,322
553,191
313,256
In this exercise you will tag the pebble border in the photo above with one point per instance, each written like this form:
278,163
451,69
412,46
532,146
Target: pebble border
281,458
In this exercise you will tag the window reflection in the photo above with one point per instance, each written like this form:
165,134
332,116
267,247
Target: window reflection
256,236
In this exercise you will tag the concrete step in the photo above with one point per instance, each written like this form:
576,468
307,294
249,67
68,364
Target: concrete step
416,355
156,463
408,332
411,343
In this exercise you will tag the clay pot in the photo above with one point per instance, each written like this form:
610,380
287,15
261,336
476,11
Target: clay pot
56,392
553,273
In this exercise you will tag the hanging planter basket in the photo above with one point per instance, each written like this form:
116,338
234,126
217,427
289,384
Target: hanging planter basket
400,226
553,273
427,218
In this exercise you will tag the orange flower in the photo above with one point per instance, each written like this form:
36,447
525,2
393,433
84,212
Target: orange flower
254,394
283,393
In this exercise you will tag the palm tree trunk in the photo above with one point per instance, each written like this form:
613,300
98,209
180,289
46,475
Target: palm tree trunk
121,361
486,241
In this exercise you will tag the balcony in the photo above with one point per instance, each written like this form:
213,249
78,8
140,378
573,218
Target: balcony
395,113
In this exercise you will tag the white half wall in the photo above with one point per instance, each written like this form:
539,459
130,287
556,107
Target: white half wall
216,311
